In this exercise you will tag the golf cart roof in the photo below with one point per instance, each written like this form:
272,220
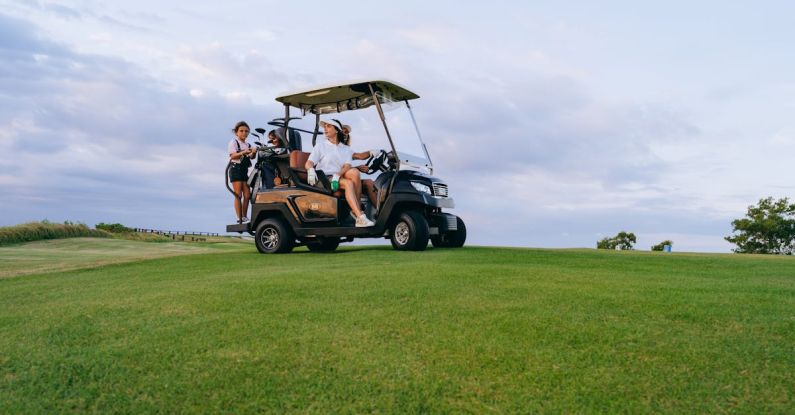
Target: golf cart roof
343,97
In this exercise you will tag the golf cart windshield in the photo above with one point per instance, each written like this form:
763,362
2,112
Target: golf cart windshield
405,134
356,100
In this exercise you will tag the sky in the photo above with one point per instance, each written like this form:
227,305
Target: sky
555,124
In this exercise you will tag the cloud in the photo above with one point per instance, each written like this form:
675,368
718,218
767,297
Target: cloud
95,136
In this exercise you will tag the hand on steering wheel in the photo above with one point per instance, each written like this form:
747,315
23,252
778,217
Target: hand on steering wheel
375,162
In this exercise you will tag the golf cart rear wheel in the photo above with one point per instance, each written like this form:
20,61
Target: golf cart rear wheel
274,237
452,239
323,244
410,232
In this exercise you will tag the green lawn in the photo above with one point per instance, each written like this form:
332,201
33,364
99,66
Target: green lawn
76,253
369,329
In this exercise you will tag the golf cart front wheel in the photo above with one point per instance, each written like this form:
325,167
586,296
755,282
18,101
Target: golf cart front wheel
451,239
274,237
410,232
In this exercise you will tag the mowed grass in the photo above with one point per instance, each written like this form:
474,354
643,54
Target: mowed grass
368,329
76,253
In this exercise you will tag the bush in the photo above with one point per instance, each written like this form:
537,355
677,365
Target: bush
661,245
113,227
36,231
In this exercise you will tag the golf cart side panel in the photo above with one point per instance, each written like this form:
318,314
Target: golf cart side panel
305,206
262,211
311,229
307,213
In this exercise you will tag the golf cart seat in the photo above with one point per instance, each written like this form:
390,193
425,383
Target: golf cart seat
298,174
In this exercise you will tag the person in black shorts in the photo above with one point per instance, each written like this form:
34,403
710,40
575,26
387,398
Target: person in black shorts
240,155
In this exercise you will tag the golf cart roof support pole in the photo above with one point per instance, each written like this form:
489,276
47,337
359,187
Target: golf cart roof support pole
417,129
286,137
389,136
383,121
317,128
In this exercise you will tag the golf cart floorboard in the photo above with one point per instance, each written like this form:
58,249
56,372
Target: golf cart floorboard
238,227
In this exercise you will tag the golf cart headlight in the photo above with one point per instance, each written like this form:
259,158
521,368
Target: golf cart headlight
422,187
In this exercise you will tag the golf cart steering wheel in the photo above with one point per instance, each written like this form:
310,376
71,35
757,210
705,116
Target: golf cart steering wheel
376,162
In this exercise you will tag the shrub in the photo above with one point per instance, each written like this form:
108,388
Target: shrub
35,231
113,227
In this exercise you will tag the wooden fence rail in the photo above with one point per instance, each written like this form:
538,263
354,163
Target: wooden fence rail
162,232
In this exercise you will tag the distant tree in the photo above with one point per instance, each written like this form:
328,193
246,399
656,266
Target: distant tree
623,241
606,243
626,240
768,228
661,245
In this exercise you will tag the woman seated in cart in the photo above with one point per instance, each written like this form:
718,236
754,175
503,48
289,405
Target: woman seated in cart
334,157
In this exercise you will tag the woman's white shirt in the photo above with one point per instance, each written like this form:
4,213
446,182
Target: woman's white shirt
233,148
330,157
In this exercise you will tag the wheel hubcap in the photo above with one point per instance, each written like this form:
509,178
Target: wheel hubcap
402,233
269,238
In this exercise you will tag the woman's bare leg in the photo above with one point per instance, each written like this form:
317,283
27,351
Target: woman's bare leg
354,176
350,196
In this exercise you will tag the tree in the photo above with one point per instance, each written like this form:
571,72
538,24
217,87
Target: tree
623,241
661,245
768,228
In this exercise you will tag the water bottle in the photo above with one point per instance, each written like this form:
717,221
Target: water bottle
335,182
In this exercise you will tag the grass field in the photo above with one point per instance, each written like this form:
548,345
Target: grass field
76,253
368,329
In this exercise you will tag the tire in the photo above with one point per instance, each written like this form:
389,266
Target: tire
274,237
409,232
453,239
323,244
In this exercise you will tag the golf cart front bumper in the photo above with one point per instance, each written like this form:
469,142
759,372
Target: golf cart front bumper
425,199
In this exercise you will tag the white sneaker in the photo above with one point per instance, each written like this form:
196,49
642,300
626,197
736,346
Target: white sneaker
363,222
244,219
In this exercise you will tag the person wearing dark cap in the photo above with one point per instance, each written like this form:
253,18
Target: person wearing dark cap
333,156
269,176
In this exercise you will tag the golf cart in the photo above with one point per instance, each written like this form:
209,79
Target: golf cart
409,200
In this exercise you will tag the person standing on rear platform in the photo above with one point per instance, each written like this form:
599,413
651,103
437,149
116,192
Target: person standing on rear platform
240,155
